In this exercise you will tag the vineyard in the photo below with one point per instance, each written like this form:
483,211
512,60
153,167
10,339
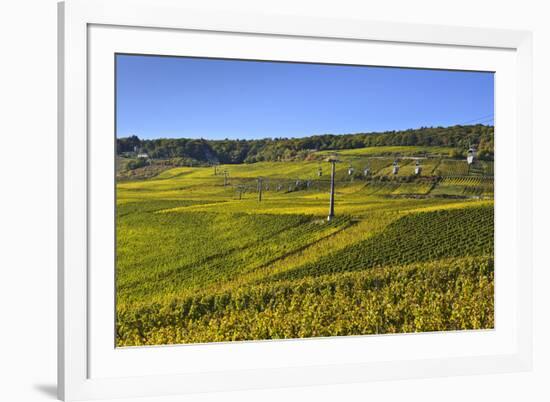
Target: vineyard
423,236
201,259
454,294
465,186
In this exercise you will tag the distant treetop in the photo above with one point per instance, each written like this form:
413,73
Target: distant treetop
269,149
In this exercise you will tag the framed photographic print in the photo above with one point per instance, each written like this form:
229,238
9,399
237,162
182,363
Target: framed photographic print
253,201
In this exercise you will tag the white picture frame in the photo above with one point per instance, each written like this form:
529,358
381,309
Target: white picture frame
90,367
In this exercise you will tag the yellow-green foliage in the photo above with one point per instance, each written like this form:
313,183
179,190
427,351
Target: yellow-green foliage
393,150
442,295
465,186
397,188
424,236
200,261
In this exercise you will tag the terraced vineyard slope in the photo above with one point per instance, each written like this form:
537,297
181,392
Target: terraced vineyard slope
243,251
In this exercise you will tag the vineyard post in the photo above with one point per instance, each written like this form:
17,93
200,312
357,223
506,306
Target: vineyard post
259,189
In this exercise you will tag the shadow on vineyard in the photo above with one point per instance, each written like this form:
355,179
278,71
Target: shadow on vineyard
416,237
244,251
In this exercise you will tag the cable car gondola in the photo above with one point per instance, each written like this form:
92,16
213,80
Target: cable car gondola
472,154
395,168
417,168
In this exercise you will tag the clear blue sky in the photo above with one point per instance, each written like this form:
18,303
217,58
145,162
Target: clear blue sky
175,97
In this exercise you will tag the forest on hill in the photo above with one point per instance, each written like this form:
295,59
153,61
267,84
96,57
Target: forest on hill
276,149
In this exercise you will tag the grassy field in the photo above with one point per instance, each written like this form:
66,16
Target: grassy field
394,151
201,259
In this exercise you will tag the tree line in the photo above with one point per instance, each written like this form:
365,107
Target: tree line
203,151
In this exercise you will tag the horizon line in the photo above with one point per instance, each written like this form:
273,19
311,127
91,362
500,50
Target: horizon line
305,136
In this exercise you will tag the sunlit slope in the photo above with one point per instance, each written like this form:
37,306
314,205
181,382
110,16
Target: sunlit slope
454,294
393,151
282,178
417,237
176,253
200,258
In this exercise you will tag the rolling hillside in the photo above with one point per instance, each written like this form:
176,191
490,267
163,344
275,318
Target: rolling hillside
201,259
